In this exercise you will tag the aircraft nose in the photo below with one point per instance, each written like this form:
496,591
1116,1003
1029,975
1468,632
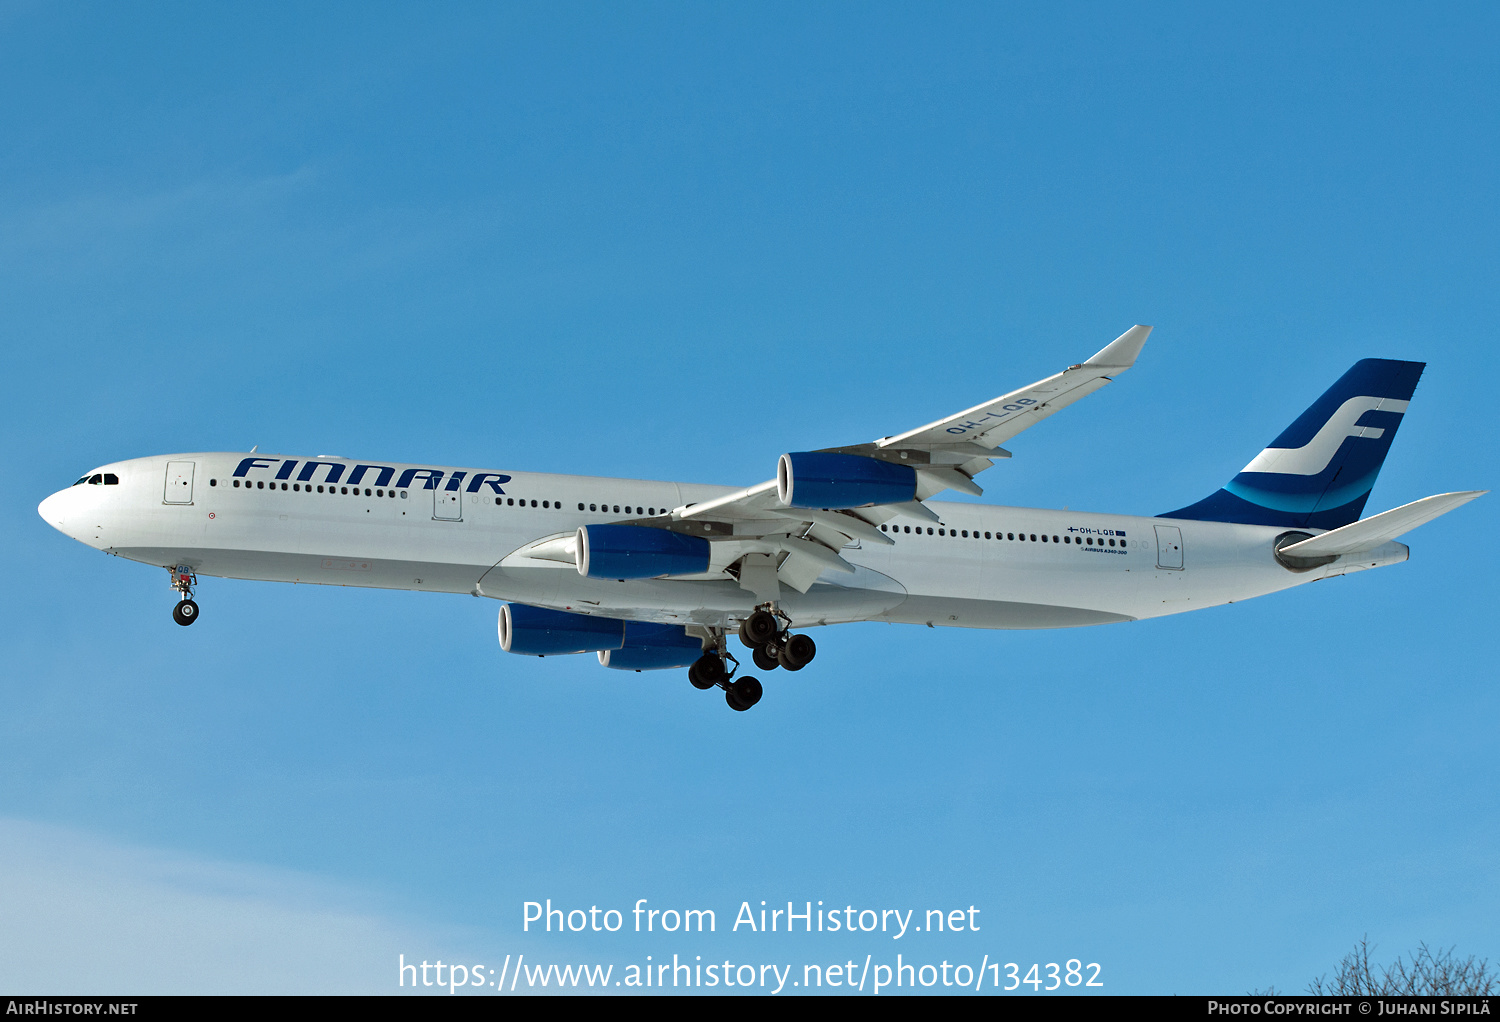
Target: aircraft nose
54,512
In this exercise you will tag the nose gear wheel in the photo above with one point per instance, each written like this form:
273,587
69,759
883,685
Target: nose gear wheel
183,580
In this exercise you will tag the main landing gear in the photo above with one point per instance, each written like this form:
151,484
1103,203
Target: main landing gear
771,646
711,671
183,580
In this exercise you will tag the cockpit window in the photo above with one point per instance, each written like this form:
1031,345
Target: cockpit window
82,481
110,479
96,479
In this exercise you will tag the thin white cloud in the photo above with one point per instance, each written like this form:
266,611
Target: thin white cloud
83,915
246,221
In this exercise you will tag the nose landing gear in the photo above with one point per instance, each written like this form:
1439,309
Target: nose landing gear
183,580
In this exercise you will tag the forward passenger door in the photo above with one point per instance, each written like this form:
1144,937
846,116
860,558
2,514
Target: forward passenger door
179,486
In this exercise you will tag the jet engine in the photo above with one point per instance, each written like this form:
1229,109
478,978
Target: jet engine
536,631
653,647
818,479
638,551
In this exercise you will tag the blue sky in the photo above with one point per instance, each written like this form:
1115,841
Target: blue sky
674,241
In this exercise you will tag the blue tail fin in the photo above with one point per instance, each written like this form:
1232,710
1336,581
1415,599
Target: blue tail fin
1318,473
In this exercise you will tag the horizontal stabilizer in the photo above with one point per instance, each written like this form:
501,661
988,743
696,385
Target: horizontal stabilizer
1381,528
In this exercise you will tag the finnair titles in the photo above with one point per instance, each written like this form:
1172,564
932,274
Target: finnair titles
657,575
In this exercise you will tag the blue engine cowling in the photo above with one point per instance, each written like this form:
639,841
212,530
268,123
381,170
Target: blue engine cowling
818,479
638,551
652,647
536,631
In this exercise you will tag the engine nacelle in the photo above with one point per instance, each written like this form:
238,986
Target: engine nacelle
817,479
638,551
653,647
536,631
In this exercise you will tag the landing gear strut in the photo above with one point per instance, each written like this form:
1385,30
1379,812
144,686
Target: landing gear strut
183,580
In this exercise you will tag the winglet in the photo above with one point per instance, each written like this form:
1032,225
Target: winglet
1123,350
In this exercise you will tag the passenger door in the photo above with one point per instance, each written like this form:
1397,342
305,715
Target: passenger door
448,505
1169,547
179,487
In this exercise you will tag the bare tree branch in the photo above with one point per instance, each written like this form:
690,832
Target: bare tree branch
1426,973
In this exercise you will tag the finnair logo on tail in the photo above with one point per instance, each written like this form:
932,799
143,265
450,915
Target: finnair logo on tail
1314,456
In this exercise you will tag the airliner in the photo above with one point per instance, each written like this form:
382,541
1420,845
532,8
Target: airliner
657,575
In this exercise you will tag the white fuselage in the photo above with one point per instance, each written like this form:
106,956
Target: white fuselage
1071,568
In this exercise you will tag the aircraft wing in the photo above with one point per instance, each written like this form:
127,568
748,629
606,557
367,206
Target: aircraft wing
945,454
992,423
